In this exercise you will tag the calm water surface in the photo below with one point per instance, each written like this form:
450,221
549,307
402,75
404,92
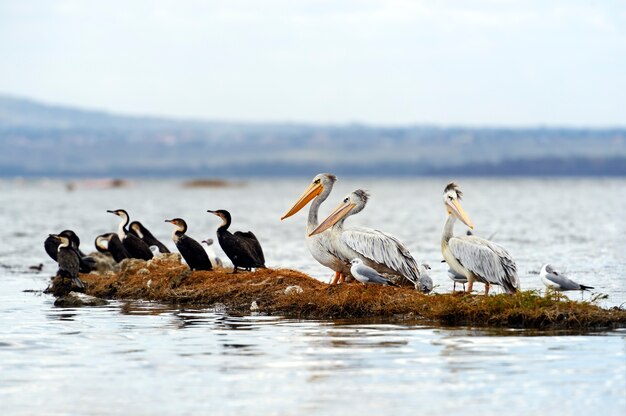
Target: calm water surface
142,358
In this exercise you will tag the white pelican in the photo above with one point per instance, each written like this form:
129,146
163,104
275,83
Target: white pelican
367,275
378,250
319,245
556,281
473,257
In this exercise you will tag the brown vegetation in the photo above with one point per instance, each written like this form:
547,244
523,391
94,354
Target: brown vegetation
165,279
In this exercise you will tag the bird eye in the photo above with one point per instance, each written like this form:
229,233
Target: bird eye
450,197
346,200
317,181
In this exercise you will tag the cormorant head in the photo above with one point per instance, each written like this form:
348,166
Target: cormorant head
179,223
353,203
223,214
452,200
136,228
72,236
62,239
102,243
119,212
321,183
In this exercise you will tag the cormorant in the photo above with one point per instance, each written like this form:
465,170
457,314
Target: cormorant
110,244
51,246
142,232
190,249
135,246
68,260
243,249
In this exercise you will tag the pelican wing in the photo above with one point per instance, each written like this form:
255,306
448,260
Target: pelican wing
487,260
382,248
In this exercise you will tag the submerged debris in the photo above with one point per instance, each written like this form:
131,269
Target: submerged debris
276,292
76,299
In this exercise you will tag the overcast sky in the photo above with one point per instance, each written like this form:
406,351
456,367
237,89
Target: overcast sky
384,62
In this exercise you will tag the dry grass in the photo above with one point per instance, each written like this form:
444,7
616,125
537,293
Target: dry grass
166,280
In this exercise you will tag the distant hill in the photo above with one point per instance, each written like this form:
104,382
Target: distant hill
47,140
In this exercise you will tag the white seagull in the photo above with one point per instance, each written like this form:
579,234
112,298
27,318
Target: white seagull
552,279
367,275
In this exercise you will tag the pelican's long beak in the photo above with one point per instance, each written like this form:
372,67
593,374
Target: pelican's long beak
455,208
341,211
311,192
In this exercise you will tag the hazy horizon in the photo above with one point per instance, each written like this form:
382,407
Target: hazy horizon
387,63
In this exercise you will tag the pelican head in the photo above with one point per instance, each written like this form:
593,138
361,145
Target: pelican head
180,224
451,199
320,183
353,203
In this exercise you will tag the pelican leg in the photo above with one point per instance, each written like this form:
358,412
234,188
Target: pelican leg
335,279
470,283
342,278
487,289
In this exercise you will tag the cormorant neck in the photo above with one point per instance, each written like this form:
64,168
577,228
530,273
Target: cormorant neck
121,230
225,224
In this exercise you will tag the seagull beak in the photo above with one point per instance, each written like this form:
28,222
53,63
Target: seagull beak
455,208
340,212
311,192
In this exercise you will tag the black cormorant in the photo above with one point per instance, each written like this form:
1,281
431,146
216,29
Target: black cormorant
110,244
51,246
68,260
135,246
142,232
243,249
190,249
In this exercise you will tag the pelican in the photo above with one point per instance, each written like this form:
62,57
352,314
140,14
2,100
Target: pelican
378,250
558,282
473,257
320,245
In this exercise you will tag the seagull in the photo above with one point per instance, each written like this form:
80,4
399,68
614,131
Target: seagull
424,283
557,282
367,275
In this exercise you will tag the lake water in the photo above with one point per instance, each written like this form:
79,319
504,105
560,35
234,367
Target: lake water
142,358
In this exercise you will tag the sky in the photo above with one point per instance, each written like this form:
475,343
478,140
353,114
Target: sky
388,62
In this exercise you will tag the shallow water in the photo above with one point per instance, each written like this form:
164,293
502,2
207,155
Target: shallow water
142,358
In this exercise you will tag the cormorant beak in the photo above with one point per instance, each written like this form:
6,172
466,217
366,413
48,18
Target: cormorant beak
311,192
341,211
212,212
111,212
55,236
170,221
455,208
